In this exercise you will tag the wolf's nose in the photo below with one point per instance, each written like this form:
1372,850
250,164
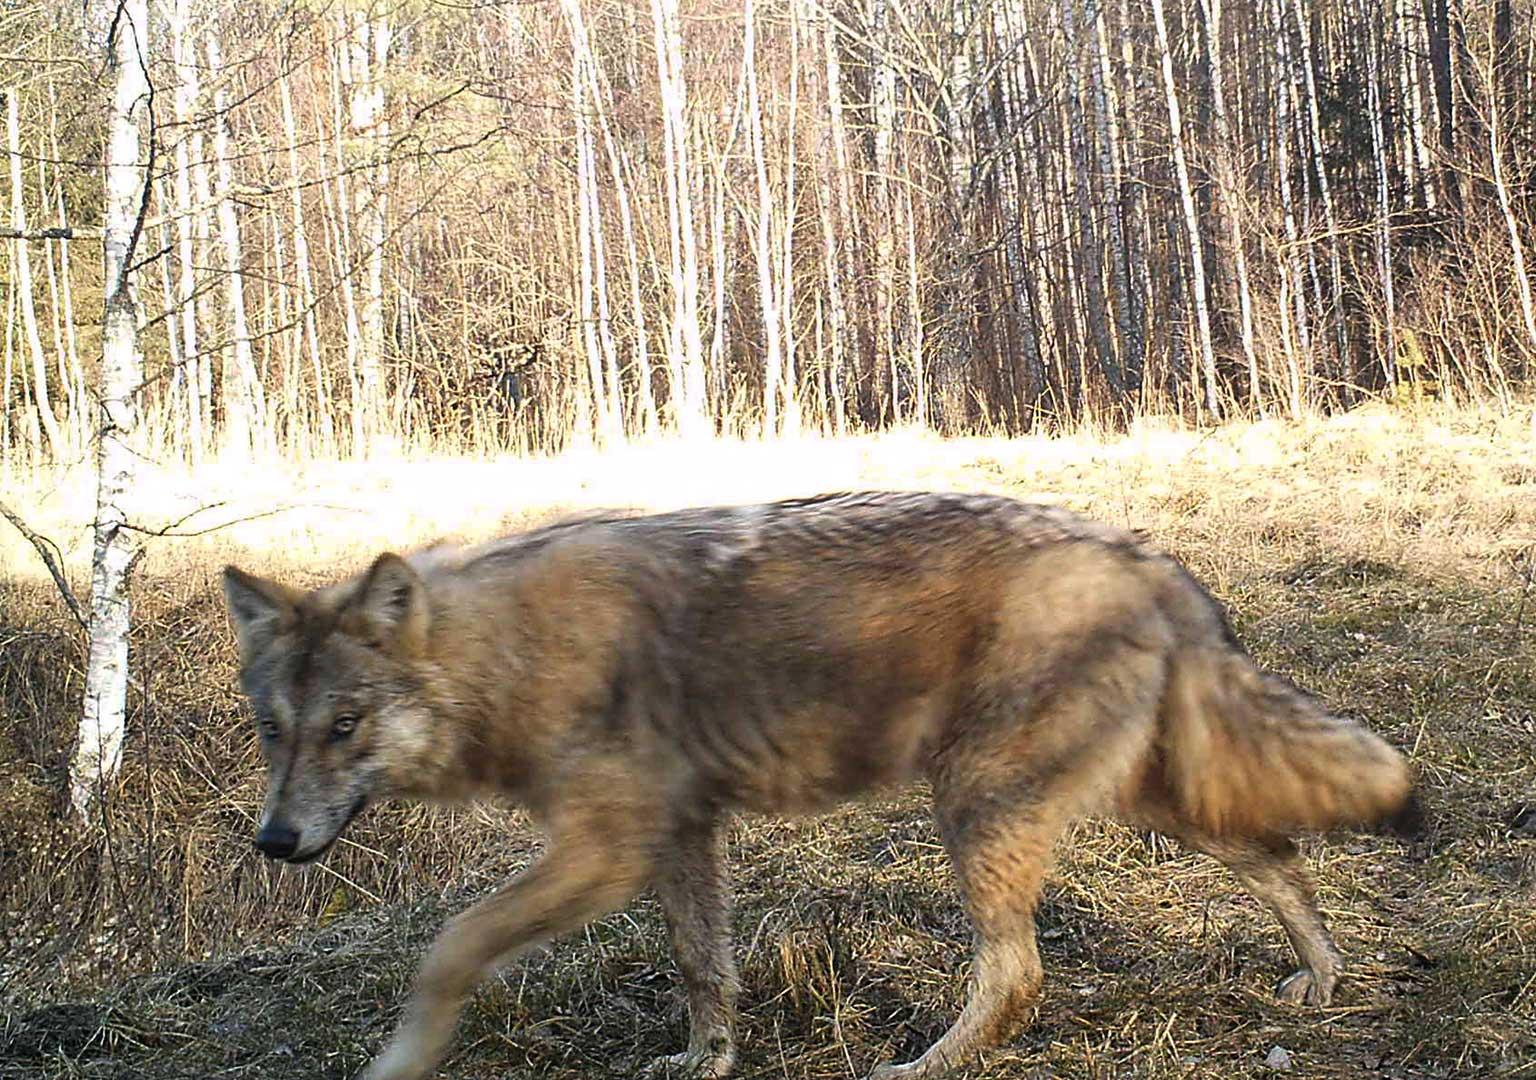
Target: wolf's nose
277,841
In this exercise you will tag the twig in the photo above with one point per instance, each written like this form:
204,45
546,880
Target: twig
170,530
1525,590
48,551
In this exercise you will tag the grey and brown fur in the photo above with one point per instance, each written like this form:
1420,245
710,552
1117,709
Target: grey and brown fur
635,680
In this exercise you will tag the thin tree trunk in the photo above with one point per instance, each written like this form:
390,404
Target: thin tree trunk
1496,149
245,416
80,406
884,93
773,359
1127,325
1299,343
790,379
686,360
308,329
845,343
184,103
1373,65
1437,25
1324,187
98,750
22,262
1191,221
1232,198
617,167
587,236
337,203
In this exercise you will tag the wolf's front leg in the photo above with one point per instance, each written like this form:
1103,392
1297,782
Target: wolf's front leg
693,884
584,874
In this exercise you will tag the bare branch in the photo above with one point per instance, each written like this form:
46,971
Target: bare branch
48,551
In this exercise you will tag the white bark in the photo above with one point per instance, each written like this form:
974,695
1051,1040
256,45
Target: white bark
1373,63
245,405
597,339
22,262
1227,186
835,233
617,164
1293,314
1191,221
308,327
1506,205
884,92
768,296
184,102
1324,187
98,751
686,360
365,48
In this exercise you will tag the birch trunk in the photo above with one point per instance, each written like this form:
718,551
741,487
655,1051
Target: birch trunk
588,242
244,409
1293,281
763,234
884,91
367,44
1496,149
308,327
1373,64
687,357
80,407
1191,221
1232,198
617,165
98,750
845,347
184,102
22,262
1324,186
1112,180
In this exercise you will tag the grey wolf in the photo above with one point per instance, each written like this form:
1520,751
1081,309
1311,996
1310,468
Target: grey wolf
634,680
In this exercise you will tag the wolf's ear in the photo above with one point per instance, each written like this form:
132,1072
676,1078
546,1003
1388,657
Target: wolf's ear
260,610
391,606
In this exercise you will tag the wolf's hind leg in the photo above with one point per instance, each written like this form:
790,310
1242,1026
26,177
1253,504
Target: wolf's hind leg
1000,867
1273,872
1002,795
693,884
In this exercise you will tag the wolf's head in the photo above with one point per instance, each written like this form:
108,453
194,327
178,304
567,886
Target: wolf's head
335,680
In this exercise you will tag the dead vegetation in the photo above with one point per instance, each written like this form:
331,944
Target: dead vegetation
1381,559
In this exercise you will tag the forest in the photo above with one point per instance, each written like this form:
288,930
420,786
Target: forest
288,285
514,224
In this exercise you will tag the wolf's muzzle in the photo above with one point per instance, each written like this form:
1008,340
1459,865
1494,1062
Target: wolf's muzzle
277,841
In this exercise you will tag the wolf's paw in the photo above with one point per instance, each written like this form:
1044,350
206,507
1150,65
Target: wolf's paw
691,1065
398,1061
1306,987
892,1071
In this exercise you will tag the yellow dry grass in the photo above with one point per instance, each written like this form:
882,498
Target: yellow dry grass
1384,558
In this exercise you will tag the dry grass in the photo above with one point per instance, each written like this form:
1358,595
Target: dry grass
1383,559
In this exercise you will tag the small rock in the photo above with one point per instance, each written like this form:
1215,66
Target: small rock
1278,1058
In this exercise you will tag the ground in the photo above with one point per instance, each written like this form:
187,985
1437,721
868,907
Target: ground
1382,558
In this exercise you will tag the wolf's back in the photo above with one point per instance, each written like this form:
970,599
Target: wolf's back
1246,752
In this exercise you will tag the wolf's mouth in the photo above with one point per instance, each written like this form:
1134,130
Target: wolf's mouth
311,856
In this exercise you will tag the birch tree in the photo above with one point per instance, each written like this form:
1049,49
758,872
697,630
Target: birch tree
1191,221
22,264
245,405
98,748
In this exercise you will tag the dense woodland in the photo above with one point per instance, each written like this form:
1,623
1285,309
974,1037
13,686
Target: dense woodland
519,223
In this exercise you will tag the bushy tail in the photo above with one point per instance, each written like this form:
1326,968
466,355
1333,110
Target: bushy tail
1246,753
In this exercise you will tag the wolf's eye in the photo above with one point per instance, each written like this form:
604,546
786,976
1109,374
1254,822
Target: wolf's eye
343,726
269,729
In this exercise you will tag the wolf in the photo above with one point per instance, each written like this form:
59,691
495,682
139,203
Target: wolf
635,680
